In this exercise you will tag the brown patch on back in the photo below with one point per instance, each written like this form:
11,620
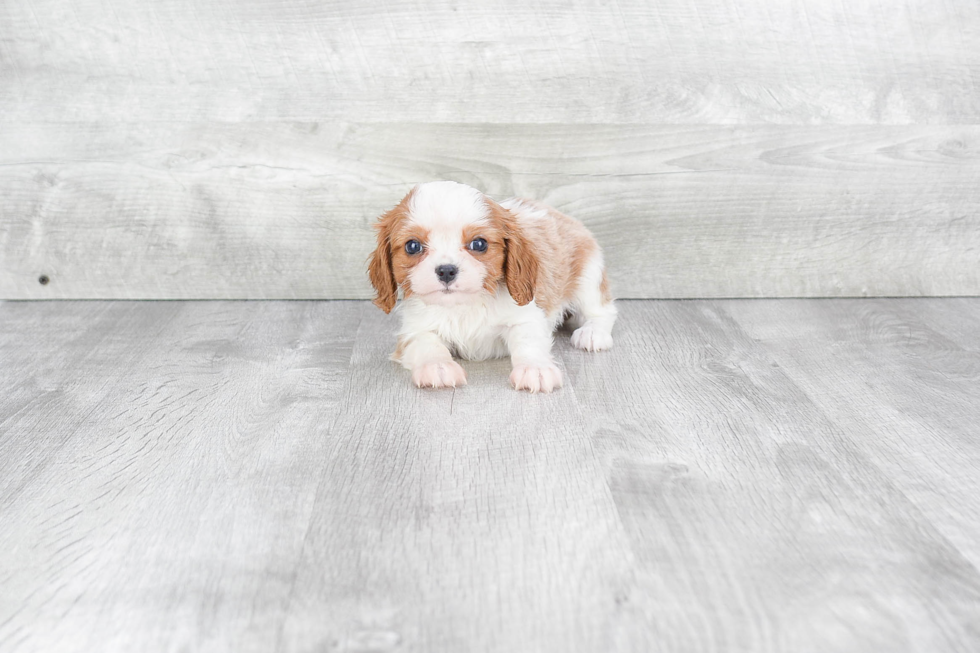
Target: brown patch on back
563,246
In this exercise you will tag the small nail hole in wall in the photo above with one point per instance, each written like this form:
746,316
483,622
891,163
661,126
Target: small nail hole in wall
43,280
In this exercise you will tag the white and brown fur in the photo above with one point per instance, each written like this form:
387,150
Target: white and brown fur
541,268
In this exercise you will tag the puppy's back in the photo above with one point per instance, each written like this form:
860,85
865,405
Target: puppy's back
564,247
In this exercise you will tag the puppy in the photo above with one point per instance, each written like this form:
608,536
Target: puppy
485,280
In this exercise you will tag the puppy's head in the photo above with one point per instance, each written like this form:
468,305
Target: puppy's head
448,244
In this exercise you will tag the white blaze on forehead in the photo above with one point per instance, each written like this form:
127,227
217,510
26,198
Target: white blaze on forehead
445,209
446,206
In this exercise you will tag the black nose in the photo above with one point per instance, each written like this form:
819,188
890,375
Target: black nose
447,273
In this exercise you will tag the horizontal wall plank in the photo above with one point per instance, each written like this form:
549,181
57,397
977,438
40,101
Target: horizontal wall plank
283,210
628,61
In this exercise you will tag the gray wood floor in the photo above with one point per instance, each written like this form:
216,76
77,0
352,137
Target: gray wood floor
754,475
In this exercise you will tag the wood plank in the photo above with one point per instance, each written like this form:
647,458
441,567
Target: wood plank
172,513
955,319
628,61
283,210
57,362
757,522
254,476
475,519
909,395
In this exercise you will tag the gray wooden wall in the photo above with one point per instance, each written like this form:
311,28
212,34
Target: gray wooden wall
219,149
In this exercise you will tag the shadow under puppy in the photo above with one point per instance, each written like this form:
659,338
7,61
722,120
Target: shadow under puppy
485,280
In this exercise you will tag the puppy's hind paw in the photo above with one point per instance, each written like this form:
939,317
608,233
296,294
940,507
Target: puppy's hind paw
591,338
536,378
439,374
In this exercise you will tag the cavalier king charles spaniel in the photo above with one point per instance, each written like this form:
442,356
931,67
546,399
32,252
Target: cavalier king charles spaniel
485,280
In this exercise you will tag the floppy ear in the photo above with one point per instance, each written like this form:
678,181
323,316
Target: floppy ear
520,261
379,265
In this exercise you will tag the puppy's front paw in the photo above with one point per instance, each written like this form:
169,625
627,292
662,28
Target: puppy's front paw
439,374
590,338
536,378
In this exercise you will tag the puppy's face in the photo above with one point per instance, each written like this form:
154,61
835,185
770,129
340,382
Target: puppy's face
448,244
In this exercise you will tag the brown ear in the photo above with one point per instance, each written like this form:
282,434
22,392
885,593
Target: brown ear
380,268
379,265
520,262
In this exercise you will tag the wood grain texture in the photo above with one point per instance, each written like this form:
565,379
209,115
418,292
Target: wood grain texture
283,210
765,476
220,150
905,382
743,497
158,469
493,495
628,61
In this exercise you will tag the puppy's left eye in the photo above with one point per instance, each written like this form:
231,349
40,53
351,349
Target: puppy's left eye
477,245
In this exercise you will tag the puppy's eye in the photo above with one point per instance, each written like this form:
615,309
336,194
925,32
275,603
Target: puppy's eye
413,247
477,245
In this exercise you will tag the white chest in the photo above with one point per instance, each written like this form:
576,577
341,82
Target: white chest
472,334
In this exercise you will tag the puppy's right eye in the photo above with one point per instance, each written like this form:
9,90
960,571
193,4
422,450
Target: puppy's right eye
413,247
